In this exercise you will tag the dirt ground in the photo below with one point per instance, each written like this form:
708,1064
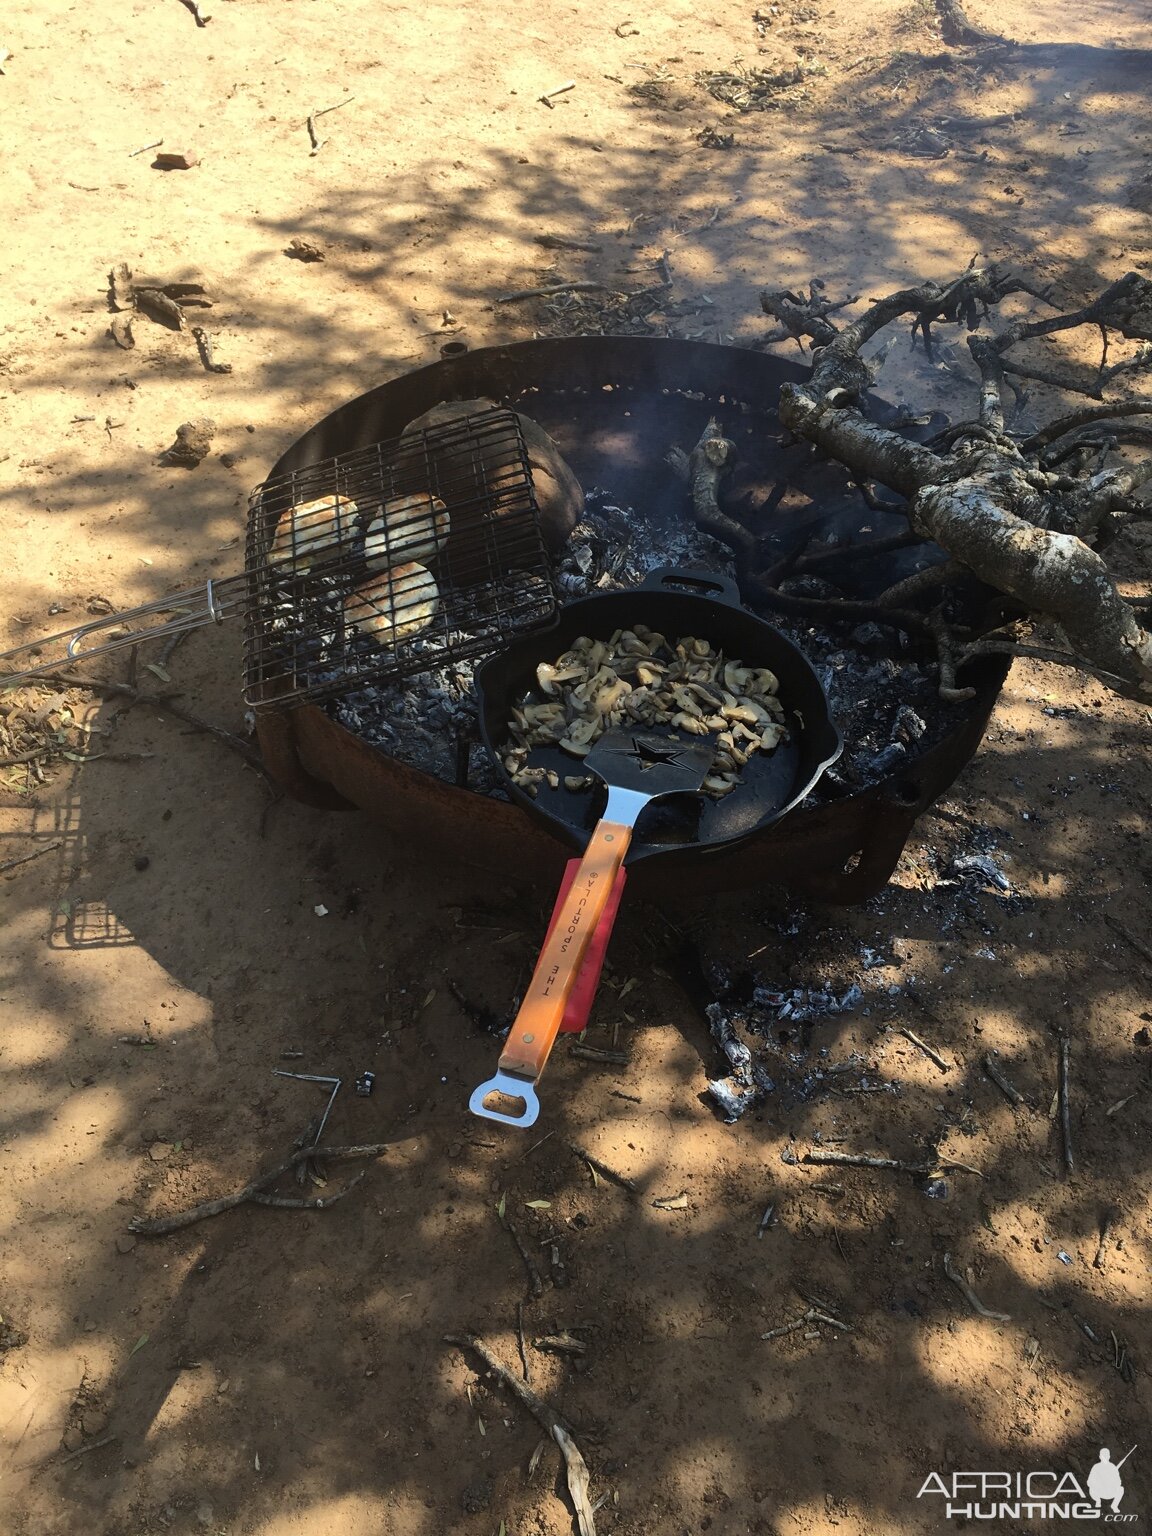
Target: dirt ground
282,1372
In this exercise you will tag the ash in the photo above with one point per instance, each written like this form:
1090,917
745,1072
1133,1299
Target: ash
764,1034
428,722
883,700
614,548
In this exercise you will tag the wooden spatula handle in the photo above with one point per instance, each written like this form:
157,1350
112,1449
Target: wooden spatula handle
542,1011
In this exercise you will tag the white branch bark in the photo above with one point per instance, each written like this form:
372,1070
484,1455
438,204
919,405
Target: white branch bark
984,511
1052,573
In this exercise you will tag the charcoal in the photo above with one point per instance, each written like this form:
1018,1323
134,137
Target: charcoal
764,1081
890,759
732,1097
802,1003
908,726
870,637
985,868
723,1026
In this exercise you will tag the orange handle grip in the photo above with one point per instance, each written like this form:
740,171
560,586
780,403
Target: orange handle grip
542,1011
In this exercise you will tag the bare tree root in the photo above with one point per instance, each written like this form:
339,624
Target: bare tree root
946,658
703,470
994,646
994,503
800,317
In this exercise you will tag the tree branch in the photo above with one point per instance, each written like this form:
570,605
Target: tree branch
991,366
1115,410
1052,573
990,646
985,499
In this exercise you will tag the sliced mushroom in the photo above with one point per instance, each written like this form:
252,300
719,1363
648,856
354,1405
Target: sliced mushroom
636,676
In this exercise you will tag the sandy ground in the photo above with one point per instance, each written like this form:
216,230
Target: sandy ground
283,1373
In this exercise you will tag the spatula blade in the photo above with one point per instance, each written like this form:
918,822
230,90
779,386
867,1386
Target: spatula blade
650,763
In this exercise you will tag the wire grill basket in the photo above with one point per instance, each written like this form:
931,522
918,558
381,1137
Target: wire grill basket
363,568
392,560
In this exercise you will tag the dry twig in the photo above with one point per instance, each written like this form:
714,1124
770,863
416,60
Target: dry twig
541,293
28,857
594,1053
1002,511
535,1284
550,1421
812,1315
1137,944
969,1295
296,1203
83,1450
921,1045
318,143
159,1226
604,1169
1011,1093
561,90
1065,1107
161,701
520,1344
207,357
866,1160
562,243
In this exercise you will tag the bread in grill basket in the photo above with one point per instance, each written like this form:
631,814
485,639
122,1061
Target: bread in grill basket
313,533
393,607
408,528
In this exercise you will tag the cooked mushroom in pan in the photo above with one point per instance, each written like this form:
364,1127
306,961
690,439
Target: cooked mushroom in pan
639,678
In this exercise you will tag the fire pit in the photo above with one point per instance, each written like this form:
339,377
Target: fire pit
615,407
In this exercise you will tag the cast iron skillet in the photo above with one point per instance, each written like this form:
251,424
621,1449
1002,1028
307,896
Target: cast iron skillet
676,603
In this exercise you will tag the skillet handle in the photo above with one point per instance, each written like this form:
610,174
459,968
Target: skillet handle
670,578
541,1013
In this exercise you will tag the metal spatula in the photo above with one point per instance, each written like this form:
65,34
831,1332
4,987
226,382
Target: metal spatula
638,767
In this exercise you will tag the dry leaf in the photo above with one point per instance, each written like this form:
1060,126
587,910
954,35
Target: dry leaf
538,1205
480,1424
139,1344
673,1202
502,1207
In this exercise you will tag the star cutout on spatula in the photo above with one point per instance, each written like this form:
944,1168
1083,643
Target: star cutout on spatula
649,752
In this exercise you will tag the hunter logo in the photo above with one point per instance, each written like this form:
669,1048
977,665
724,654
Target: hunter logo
1033,1495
